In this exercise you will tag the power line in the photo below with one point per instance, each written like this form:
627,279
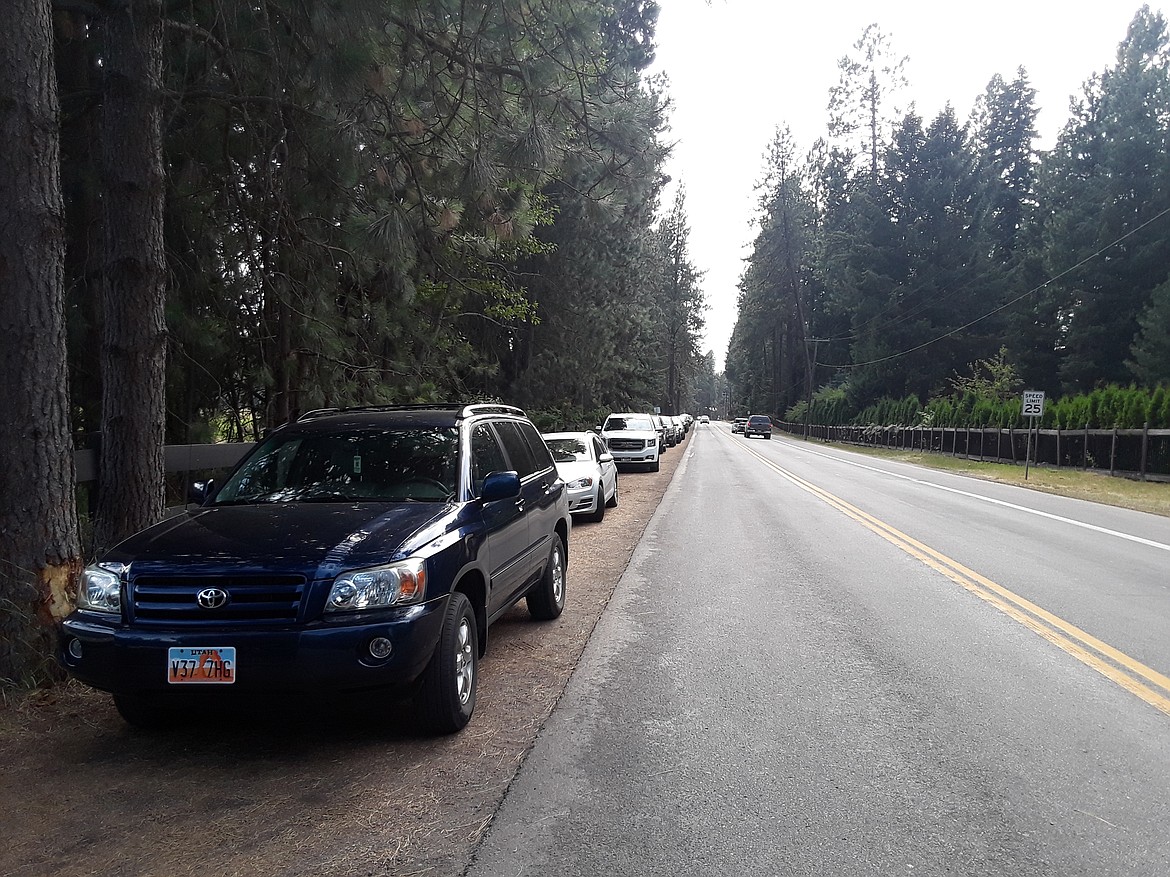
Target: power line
1011,302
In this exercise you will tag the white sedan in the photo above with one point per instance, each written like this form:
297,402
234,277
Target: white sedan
588,471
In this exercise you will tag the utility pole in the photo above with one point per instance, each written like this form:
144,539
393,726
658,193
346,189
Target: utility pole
812,367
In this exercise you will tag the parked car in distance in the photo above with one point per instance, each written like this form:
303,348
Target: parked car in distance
632,437
674,424
588,470
758,424
362,550
738,424
665,431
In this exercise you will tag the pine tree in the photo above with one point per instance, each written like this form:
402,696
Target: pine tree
39,544
1151,350
1104,182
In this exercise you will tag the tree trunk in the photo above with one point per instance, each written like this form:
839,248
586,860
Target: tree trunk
40,554
133,293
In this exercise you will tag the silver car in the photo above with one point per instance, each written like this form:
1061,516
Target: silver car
588,470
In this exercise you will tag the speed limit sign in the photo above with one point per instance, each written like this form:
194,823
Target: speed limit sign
1033,403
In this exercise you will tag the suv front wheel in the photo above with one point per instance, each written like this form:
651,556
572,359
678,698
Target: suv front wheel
450,678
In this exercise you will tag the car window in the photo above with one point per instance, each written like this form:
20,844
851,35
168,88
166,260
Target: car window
598,447
540,455
486,456
567,450
371,465
516,448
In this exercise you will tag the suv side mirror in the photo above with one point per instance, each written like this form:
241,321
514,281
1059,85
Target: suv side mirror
605,458
500,485
200,490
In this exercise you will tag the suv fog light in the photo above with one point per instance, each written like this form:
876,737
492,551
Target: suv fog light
380,648
74,649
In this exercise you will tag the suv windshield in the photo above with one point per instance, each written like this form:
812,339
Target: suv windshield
367,466
618,424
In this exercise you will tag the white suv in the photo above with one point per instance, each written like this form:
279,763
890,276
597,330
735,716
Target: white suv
632,438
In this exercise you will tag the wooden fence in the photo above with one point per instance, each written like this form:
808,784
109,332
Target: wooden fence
184,464
1131,453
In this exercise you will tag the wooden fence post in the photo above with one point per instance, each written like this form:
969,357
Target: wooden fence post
1057,447
1145,446
1113,452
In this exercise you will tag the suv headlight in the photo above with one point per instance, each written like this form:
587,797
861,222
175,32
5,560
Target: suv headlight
379,586
587,481
101,588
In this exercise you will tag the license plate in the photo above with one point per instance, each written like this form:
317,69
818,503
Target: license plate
214,665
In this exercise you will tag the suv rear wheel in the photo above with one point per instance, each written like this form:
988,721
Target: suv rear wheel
547,599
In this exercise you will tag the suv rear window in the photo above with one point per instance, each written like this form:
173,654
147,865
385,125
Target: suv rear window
759,420
518,450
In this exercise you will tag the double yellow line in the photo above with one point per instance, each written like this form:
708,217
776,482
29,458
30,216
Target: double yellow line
1132,675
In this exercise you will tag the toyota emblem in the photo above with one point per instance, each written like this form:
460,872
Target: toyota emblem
212,598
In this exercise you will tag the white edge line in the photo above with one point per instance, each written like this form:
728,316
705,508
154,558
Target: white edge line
1011,505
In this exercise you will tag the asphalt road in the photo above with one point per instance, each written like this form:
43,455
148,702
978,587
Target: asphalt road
821,664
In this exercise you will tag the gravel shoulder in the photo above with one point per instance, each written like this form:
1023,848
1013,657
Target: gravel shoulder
337,791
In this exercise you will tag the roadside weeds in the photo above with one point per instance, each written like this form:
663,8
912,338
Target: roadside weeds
1142,496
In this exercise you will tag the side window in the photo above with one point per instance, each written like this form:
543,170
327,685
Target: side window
540,452
598,447
486,457
518,451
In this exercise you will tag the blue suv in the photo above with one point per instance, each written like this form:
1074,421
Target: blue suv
352,550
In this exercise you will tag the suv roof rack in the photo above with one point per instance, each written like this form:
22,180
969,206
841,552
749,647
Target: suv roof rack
491,408
465,410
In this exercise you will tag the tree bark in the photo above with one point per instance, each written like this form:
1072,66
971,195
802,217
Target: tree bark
40,554
133,295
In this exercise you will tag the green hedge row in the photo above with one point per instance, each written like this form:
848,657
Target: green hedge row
1104,408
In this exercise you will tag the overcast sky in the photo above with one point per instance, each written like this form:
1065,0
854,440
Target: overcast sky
740,68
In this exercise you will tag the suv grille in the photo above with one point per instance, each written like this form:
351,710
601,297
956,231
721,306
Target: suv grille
275,599
621,444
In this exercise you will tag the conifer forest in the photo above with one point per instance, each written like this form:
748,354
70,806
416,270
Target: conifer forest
906,265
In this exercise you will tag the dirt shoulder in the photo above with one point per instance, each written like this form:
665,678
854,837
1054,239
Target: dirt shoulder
311,792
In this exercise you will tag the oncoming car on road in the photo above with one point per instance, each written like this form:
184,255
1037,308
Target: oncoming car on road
360,550
588,470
